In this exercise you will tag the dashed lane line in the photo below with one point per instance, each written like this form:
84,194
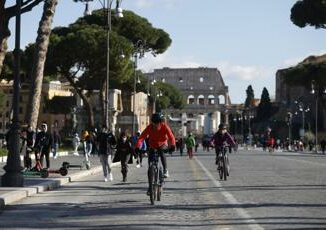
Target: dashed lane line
231,199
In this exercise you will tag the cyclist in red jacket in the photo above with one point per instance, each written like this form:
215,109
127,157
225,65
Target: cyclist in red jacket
158,133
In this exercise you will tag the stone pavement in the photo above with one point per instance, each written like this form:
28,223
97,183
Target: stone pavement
36,184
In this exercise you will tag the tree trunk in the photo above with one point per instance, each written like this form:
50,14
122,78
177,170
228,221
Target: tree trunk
42,43
88,106
103,102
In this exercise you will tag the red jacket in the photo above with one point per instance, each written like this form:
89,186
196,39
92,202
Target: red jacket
157,136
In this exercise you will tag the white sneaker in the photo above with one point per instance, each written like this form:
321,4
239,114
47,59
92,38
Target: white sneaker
111,177
55,157
105,179
166,174
138,166
76,154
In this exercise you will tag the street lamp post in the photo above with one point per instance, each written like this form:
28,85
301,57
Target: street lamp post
315,91
139,52
289,121
241,119
303,109
119,14
13,176
154,95
249,127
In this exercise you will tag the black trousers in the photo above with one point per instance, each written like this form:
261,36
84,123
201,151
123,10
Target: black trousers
124,158
163,160
45,154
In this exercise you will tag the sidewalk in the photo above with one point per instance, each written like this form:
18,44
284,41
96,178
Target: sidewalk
36,184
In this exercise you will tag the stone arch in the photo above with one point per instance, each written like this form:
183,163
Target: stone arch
211,99
222,99
191,100
201,100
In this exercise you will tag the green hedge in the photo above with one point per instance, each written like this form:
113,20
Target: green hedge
3,152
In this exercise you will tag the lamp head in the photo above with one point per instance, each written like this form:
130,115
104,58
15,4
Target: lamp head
87,11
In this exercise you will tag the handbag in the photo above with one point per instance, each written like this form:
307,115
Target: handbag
116,157
130,161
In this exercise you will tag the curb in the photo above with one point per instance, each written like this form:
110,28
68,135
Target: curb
3,159
23,192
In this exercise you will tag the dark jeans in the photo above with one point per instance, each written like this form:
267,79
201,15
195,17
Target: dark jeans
140,157
124,158
28,159
47,158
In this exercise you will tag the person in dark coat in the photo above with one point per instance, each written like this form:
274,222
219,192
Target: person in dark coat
106,141
323,146
28,143
181,145
43,144
125,153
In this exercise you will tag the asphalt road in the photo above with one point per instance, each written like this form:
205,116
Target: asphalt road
264,191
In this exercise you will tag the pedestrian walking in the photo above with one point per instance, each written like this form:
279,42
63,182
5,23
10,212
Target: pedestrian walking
106,141
196,143
190,144
142,150
323,146
28,143
87,145
43,145
124,154
56,142
75,144
181,145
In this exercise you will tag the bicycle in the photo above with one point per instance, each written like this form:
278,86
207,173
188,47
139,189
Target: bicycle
156,178
223,163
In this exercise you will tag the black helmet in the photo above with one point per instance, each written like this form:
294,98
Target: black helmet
157,118
222,126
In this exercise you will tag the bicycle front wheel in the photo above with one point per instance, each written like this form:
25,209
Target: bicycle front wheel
220,168
151,180
227,166
224,168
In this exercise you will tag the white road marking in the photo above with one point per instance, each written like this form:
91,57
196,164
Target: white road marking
230,199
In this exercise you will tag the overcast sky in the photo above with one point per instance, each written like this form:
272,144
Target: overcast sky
248,41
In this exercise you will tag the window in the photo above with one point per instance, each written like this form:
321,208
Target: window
7,114
201,79
191,100
20,110
211,88
7,103
201,100
221,99
180,80
163,79
0,125
211,99
191,88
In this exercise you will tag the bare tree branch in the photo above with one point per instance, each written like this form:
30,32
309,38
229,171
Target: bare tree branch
26,6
